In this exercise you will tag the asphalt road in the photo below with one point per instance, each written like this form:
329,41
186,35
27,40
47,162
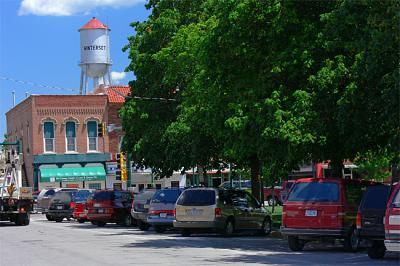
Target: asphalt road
70,243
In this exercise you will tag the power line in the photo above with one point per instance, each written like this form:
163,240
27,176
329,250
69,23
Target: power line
36,84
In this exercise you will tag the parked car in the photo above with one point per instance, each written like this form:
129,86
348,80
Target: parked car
161,208
140,208
44,197
79,204
392,220
370,228
110,206
221,210
61,206
279,193
242,184
322,208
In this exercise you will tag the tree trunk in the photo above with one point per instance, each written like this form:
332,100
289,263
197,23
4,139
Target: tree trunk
255,177
337,168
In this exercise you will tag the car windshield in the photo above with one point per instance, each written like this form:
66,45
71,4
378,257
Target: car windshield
81,195
166,196
375,197
198,197
103,195
396,200
315,191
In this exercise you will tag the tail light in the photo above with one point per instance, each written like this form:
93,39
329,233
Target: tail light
157,212
174,212
22,210
358,220
217,212
72,205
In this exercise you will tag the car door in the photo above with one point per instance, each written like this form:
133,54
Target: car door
241,209
256,214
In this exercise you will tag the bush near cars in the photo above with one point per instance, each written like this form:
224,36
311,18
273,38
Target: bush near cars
314,209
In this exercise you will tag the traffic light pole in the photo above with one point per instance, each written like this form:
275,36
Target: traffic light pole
129,167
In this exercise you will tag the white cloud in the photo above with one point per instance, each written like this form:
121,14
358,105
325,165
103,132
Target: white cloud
117,76
69,7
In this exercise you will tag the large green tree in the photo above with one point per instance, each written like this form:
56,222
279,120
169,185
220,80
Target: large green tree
263,84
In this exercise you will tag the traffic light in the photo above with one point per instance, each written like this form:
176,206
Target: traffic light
118,171
101,129
121,172
124,174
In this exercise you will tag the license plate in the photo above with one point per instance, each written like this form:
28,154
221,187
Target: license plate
311,213
96,205
81,215
163,215
100,210
194,212
59,207
146,206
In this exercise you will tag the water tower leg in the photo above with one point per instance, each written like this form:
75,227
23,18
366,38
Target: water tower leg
96,82
81,83
85,80
109,77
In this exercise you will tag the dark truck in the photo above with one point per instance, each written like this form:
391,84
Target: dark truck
370,216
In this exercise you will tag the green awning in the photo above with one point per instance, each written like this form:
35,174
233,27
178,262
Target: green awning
93,173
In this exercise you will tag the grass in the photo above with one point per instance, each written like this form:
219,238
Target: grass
276,215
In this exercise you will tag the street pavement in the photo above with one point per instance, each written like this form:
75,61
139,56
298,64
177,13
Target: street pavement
70,243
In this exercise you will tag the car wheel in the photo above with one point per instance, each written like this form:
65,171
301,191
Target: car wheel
81,221
295,244
185,232
266,227
58,219
100,224
94,222
49,217
22,219
377,250
143,226
159,229
127,221
352,242
229,228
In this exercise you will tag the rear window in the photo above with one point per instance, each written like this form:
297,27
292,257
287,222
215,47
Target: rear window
375,197
145,195
315,191
103,195
166,196
62,196
396,200
199,197
81,195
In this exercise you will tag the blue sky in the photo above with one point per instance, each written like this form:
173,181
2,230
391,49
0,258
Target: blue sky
39,43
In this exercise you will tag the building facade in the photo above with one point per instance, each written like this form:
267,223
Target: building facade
62,139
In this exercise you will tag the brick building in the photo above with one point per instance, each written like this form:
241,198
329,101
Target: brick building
60,140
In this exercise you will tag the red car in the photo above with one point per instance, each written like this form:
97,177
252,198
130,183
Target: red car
110,206
79,205
392,220
321,208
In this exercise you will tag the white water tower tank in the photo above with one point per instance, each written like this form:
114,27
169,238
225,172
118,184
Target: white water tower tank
95,54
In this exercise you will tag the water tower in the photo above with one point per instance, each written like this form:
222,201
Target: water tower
95,54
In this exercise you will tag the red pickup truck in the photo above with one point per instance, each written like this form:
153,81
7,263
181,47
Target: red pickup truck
277,194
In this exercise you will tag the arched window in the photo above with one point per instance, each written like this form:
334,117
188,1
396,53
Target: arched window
48,136
70,136
92,135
